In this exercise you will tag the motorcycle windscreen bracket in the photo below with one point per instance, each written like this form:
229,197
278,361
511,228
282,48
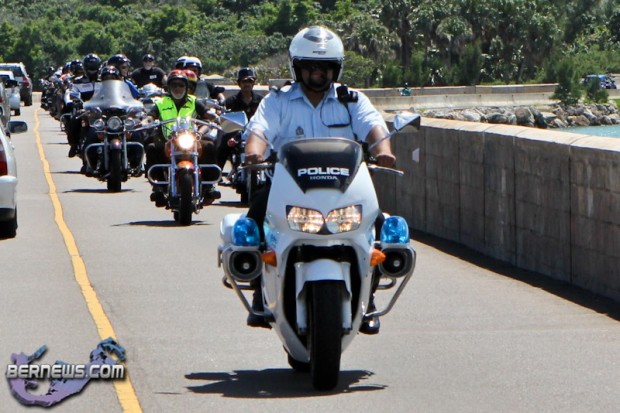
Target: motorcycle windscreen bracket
322,162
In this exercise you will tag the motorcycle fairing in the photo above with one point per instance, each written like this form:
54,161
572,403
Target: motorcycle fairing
113,95
322,162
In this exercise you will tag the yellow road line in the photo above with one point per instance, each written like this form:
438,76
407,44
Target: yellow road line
124,389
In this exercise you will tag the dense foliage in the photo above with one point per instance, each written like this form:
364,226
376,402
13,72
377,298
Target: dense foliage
388,42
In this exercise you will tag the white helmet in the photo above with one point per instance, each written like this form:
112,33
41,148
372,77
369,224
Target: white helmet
192,61
316,43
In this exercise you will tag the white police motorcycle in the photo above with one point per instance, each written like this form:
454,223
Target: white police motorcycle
317,262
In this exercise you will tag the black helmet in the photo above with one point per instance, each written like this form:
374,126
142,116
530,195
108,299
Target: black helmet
246,73
148,58
180,63
92,62
110,72
75,65
117,60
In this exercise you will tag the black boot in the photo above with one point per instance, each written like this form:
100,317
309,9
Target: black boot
372,325
254,320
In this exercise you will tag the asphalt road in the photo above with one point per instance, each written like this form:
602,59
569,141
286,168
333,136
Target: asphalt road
467,335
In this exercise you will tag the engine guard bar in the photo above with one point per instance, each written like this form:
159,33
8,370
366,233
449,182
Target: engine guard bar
396,294
167,168
125,159
244,301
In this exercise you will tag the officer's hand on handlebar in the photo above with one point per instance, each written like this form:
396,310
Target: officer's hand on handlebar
386,160
253,158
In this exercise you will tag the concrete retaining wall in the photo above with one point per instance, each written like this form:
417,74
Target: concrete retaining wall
542,200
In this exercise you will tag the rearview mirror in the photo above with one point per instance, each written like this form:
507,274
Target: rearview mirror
402,120
233,121
17,126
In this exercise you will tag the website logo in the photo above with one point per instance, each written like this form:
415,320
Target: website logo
64,379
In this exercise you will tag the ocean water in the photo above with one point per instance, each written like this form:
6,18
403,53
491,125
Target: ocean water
612,131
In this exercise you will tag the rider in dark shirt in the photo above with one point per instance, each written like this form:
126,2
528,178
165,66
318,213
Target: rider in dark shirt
245,101
148,73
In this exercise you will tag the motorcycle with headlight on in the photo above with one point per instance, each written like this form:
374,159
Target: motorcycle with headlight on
113,151
320,252
184,178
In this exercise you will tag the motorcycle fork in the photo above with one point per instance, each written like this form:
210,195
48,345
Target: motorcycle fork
114,143
179,168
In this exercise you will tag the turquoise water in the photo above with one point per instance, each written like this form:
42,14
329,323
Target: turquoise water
612,131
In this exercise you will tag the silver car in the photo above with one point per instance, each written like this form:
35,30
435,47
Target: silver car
5,106
25,84
12,87
8,180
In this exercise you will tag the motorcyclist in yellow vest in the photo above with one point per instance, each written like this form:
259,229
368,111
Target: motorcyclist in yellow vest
174,104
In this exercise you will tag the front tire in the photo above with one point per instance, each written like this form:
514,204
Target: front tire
114,180
325,333
186,209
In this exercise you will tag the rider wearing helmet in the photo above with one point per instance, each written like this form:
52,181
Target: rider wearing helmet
122,63
245,101
110,72
192,80
204,89
177,103
313,106
148,73
82,89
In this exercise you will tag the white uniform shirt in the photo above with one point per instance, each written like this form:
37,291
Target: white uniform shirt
288,114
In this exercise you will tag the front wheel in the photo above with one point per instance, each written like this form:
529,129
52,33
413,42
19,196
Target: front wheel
186,208
114,179
325,333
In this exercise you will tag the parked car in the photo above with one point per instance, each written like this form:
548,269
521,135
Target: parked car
5,106
8,180
605,81
12,87
25,84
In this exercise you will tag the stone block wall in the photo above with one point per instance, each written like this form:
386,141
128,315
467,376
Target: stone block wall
545,201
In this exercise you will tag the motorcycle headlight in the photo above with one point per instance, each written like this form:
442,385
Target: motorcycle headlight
344,219
99,124
115,124
304,219
185,141
130,123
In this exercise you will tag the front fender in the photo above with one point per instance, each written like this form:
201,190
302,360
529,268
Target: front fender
115,144
319,270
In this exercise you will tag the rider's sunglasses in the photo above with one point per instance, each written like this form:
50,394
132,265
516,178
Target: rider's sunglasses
124,66
176,84
311,65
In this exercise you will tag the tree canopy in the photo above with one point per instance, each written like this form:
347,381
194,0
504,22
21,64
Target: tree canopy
388,42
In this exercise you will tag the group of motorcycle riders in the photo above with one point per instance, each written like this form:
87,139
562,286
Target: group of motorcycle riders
313,105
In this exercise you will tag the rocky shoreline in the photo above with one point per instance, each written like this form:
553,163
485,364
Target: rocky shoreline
551,116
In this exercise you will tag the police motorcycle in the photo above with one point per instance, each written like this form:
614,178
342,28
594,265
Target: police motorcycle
185,178
319,256
116,154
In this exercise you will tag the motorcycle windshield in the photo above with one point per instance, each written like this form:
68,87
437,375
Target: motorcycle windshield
322,162
113,94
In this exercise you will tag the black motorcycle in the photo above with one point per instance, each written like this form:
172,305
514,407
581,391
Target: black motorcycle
243,180
112,150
